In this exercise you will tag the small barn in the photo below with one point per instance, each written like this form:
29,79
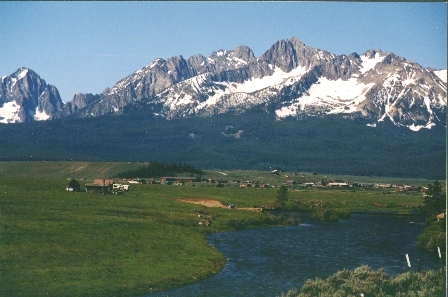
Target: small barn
100,185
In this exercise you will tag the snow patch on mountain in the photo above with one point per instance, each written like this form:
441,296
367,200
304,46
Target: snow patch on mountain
237,60
369,63
41,115
220,53
279,76
156,62
9,112
442,74
416,128
238,91
332,96
22,73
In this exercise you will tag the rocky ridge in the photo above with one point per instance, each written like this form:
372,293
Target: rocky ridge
290,79
25,97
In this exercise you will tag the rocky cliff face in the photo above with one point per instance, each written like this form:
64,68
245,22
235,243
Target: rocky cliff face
25,97
78,102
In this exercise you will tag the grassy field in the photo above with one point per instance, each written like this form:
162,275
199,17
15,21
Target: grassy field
91,170
65,169
80,244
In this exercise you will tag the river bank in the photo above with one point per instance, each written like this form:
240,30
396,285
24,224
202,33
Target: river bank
268,261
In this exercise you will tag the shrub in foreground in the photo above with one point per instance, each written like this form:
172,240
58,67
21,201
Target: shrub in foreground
433,236
364,280
327,214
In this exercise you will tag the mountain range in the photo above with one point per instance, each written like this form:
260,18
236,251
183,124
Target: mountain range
290,80
293,108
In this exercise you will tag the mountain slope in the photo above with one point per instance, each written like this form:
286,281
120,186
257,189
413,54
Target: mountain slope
253,140
289,79
25,97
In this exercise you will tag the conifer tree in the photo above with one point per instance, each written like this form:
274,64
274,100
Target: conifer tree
282,195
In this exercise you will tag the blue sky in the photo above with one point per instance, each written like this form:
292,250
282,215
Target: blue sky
85,47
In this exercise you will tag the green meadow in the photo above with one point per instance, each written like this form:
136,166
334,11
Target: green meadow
80,244
59,243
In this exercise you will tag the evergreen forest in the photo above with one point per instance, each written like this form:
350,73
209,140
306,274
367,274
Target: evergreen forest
250,140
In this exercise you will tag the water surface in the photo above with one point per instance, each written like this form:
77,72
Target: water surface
266,262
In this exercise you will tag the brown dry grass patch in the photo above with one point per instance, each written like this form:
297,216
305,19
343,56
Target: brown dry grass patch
205,202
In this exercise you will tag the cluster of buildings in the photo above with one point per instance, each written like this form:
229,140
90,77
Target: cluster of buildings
102,185
345,184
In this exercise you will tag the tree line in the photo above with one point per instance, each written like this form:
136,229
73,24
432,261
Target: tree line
159,169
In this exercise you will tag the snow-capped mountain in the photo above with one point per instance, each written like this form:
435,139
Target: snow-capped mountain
25,97
290,79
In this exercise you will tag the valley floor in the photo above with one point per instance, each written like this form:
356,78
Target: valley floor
77,243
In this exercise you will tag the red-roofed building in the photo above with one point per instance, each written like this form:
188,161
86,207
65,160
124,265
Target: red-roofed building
103,181
100,185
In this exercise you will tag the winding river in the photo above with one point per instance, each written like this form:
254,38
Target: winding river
266,262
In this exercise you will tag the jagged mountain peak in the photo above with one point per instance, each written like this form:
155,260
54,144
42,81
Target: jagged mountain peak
25,96
244,53
372,53
282,54
21,74
159,62
296,40
355,55
223,60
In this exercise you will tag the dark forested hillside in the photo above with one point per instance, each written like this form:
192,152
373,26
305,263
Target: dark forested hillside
252,140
